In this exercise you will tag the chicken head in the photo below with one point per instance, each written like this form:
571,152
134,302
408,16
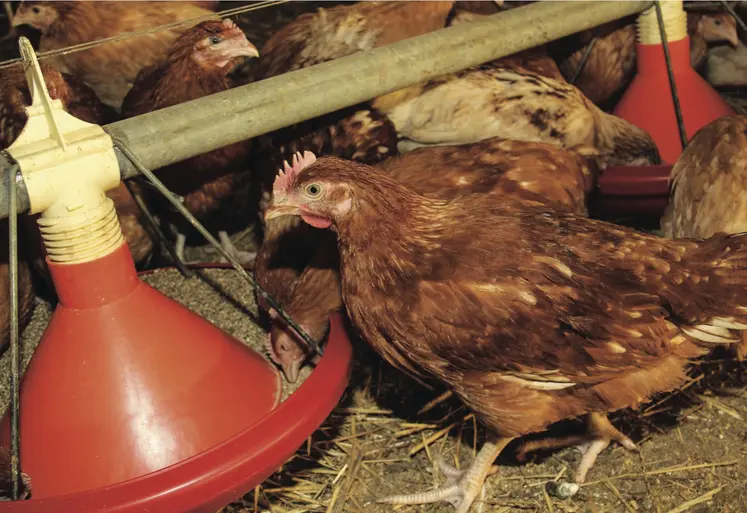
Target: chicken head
37,15
718,28
317,203
220,43
284,348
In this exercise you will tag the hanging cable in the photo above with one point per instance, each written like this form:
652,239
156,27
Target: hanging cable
670,73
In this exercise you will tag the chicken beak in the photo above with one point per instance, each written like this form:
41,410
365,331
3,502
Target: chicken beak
244,50
276,210
733,38
292,370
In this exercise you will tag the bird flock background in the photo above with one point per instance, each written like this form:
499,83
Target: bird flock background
448,222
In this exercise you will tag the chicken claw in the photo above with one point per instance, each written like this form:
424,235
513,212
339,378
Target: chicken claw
245,258
462,486
599,433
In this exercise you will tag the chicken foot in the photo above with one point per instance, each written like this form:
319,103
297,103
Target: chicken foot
598,435
245,258
462,486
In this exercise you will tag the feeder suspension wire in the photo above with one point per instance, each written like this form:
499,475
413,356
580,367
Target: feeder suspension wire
154,230
205,233
670,73
129,35
737,17
15,356
584,58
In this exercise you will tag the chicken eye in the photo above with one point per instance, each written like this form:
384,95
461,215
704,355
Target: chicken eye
35,10
313,189
717,22
214,40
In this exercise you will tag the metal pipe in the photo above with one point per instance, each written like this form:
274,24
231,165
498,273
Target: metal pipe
176,133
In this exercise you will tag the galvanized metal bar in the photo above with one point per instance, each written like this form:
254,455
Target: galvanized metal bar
176,133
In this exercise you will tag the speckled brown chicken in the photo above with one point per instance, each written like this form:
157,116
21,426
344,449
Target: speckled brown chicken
213,184
709,181
529,315
531,171
109,69
494,101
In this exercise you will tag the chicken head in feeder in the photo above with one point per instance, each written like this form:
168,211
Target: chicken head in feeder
125,381
649,103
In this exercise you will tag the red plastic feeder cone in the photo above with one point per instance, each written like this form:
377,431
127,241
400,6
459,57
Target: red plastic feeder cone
126,381
648,102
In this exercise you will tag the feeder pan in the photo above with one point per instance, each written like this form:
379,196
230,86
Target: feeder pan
194,463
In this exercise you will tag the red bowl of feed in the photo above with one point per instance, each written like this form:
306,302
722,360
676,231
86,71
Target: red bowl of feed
216,475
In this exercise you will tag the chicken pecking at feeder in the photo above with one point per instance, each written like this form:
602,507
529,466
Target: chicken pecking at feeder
131,398
669,100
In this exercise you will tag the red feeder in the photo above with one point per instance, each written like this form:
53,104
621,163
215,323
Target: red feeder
648,102
132,401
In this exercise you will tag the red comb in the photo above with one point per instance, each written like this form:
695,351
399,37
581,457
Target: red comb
287,176
228,23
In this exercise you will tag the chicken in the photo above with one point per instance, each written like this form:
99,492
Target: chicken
198,64
727,67
6,480
81,102
111,68
529,315
535,172
610,65
708,182
706,29
494,101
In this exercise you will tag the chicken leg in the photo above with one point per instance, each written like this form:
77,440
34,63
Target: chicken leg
599,433
462,486
245,258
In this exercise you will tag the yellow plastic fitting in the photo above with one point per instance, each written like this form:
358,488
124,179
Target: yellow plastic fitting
67,165
675,23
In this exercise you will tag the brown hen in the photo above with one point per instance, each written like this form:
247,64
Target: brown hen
109,69
213,184
495,101
529,315
708,182
534,172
